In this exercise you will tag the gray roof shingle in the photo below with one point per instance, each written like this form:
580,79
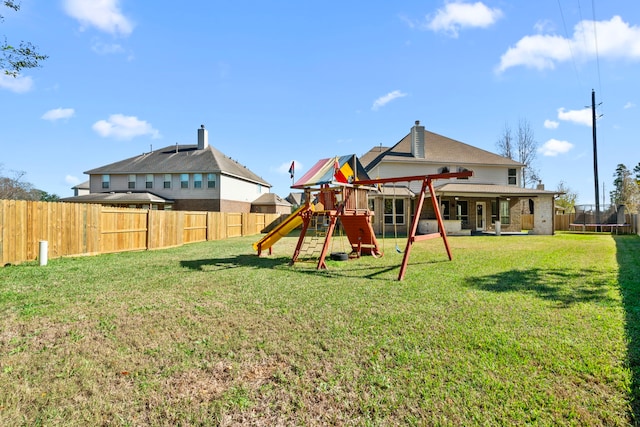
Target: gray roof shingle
181,159
438,150
120,197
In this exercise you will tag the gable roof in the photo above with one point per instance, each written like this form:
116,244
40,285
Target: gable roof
296,198
82,186
438,150
181,159
271,199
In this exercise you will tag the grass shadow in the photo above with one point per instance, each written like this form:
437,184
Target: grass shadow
254,261
628,257
235,261
549,284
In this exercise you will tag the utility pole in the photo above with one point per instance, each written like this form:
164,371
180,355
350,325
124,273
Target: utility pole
595,155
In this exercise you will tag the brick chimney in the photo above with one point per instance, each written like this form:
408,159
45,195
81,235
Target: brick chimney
417,140
203,138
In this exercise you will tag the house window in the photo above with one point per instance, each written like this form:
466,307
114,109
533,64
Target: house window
513,176
105,181
184,180
461,169
444,209
394,209
197,180
211,180
462,212
149,181
167,180
132,182
504,212
259,188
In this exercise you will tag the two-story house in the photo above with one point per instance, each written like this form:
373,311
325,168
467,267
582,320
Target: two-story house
490,198
179,177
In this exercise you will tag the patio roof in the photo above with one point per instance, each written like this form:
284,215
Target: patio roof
489,190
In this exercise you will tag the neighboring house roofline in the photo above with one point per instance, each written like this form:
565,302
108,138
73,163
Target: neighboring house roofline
82,186
181,159
271,199
121,197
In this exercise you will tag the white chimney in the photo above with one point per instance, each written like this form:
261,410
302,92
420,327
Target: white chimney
203,138
417,140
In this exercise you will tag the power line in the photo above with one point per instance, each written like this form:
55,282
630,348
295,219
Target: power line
573,57
595,37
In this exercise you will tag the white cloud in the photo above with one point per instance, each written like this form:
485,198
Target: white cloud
458,15
58,113
384,100
106,48
551,124
553,147
581,117
72,180
615,40
124,127
629,105
544,26
17,84
104,15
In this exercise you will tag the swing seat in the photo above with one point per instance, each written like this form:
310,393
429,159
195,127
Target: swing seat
339,256
398,249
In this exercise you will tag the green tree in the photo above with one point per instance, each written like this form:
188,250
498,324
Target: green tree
567,199
626,188
15,188
48,197
15,58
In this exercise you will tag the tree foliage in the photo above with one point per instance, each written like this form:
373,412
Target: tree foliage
14,58
15,188
523,149
626,188
567,199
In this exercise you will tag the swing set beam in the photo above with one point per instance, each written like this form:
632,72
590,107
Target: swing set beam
427,183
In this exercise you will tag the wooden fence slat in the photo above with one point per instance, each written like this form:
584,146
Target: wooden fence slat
73,229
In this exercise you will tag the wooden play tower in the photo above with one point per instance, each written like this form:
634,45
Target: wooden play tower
338,189
348,204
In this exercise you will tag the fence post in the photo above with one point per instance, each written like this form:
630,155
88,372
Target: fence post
148,238
43,254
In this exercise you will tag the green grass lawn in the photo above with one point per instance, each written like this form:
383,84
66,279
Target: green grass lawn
516,330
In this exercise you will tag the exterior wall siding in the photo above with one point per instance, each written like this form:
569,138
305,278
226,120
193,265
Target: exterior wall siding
239,190
481,174
120,182
543,220
237,195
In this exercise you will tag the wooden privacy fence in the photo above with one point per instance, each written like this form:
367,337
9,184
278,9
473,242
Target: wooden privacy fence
89,229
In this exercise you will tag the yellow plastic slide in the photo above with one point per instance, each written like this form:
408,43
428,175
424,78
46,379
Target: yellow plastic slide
285,227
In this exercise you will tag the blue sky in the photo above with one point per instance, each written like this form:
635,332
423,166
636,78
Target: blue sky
282,81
